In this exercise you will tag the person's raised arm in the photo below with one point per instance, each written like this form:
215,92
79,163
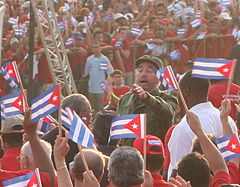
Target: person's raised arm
210,151
40,157
60,151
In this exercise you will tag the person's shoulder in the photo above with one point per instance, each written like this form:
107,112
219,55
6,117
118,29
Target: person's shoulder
126,96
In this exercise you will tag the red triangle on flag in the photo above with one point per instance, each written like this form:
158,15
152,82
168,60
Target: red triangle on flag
233,145
19,103
135,126
11,71
33,181
55,97
225,70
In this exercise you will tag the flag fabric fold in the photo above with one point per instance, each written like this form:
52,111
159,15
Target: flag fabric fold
18,181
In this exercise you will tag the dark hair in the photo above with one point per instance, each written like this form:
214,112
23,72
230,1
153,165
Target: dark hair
94,160
121,29
101,127
154,162
198,87
1,148
117,72
196,144
13,139
195,168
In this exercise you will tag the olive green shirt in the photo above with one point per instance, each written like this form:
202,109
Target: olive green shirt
159,106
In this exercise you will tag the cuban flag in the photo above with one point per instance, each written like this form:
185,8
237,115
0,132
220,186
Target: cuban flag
201,36
167,78
18,181
13,21
229,147
65,117
136,32
235,32
150,47
107,18
70,41
35,180
19,31
118,43
175,55
44,123
104,66
206,68
12,70
170,7
196,23
198,14
179,12
181,31
127,126
45,104
103,85
226,69
62,25
9,79
20,103
227,2
79,132
189,10
7,109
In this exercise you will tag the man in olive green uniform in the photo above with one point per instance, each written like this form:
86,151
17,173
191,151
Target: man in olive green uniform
145,97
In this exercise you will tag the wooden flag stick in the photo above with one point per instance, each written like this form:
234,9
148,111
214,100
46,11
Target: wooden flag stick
145,143
231,78
60,113
83,157
24,92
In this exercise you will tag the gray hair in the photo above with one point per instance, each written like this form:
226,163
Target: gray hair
27,151
126,167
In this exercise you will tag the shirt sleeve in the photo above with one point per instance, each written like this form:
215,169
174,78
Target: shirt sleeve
233,172
220,178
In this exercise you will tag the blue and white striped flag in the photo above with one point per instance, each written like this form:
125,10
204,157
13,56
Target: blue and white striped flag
79,132
223,144
18,181
136,32
107,18
9,79
19,31
13,21
227,2
70,41
175,55
235,32
181,31
201,36
41,106
198,14
189,10
65,117
206,68
7,109
196,23
62,25
119,43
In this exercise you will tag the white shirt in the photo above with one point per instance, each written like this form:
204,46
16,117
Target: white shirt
180,142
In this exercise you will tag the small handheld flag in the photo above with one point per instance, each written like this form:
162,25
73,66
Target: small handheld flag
196,23
175,55
20,103
18,181
225,70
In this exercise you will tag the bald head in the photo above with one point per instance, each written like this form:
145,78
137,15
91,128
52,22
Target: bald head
95,163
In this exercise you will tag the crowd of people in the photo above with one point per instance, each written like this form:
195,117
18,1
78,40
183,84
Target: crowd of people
102,39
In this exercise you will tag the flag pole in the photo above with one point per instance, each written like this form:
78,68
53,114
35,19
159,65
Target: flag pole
145,143
38,177
83,157
60,112
231,77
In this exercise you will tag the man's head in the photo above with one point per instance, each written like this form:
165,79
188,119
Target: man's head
195,168
122,33
125,167
101,126
145,76
155,152
80,104
11,131
14,44
26,156
194,90
96,48
94,161
98,36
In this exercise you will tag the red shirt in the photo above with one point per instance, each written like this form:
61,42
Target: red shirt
119,92
217,93
220,178
9,160
141,49
158,180
6,175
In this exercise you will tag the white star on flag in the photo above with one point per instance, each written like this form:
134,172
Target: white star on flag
225,70
10,71
134,126
54,98
20,103
233,146
34,185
